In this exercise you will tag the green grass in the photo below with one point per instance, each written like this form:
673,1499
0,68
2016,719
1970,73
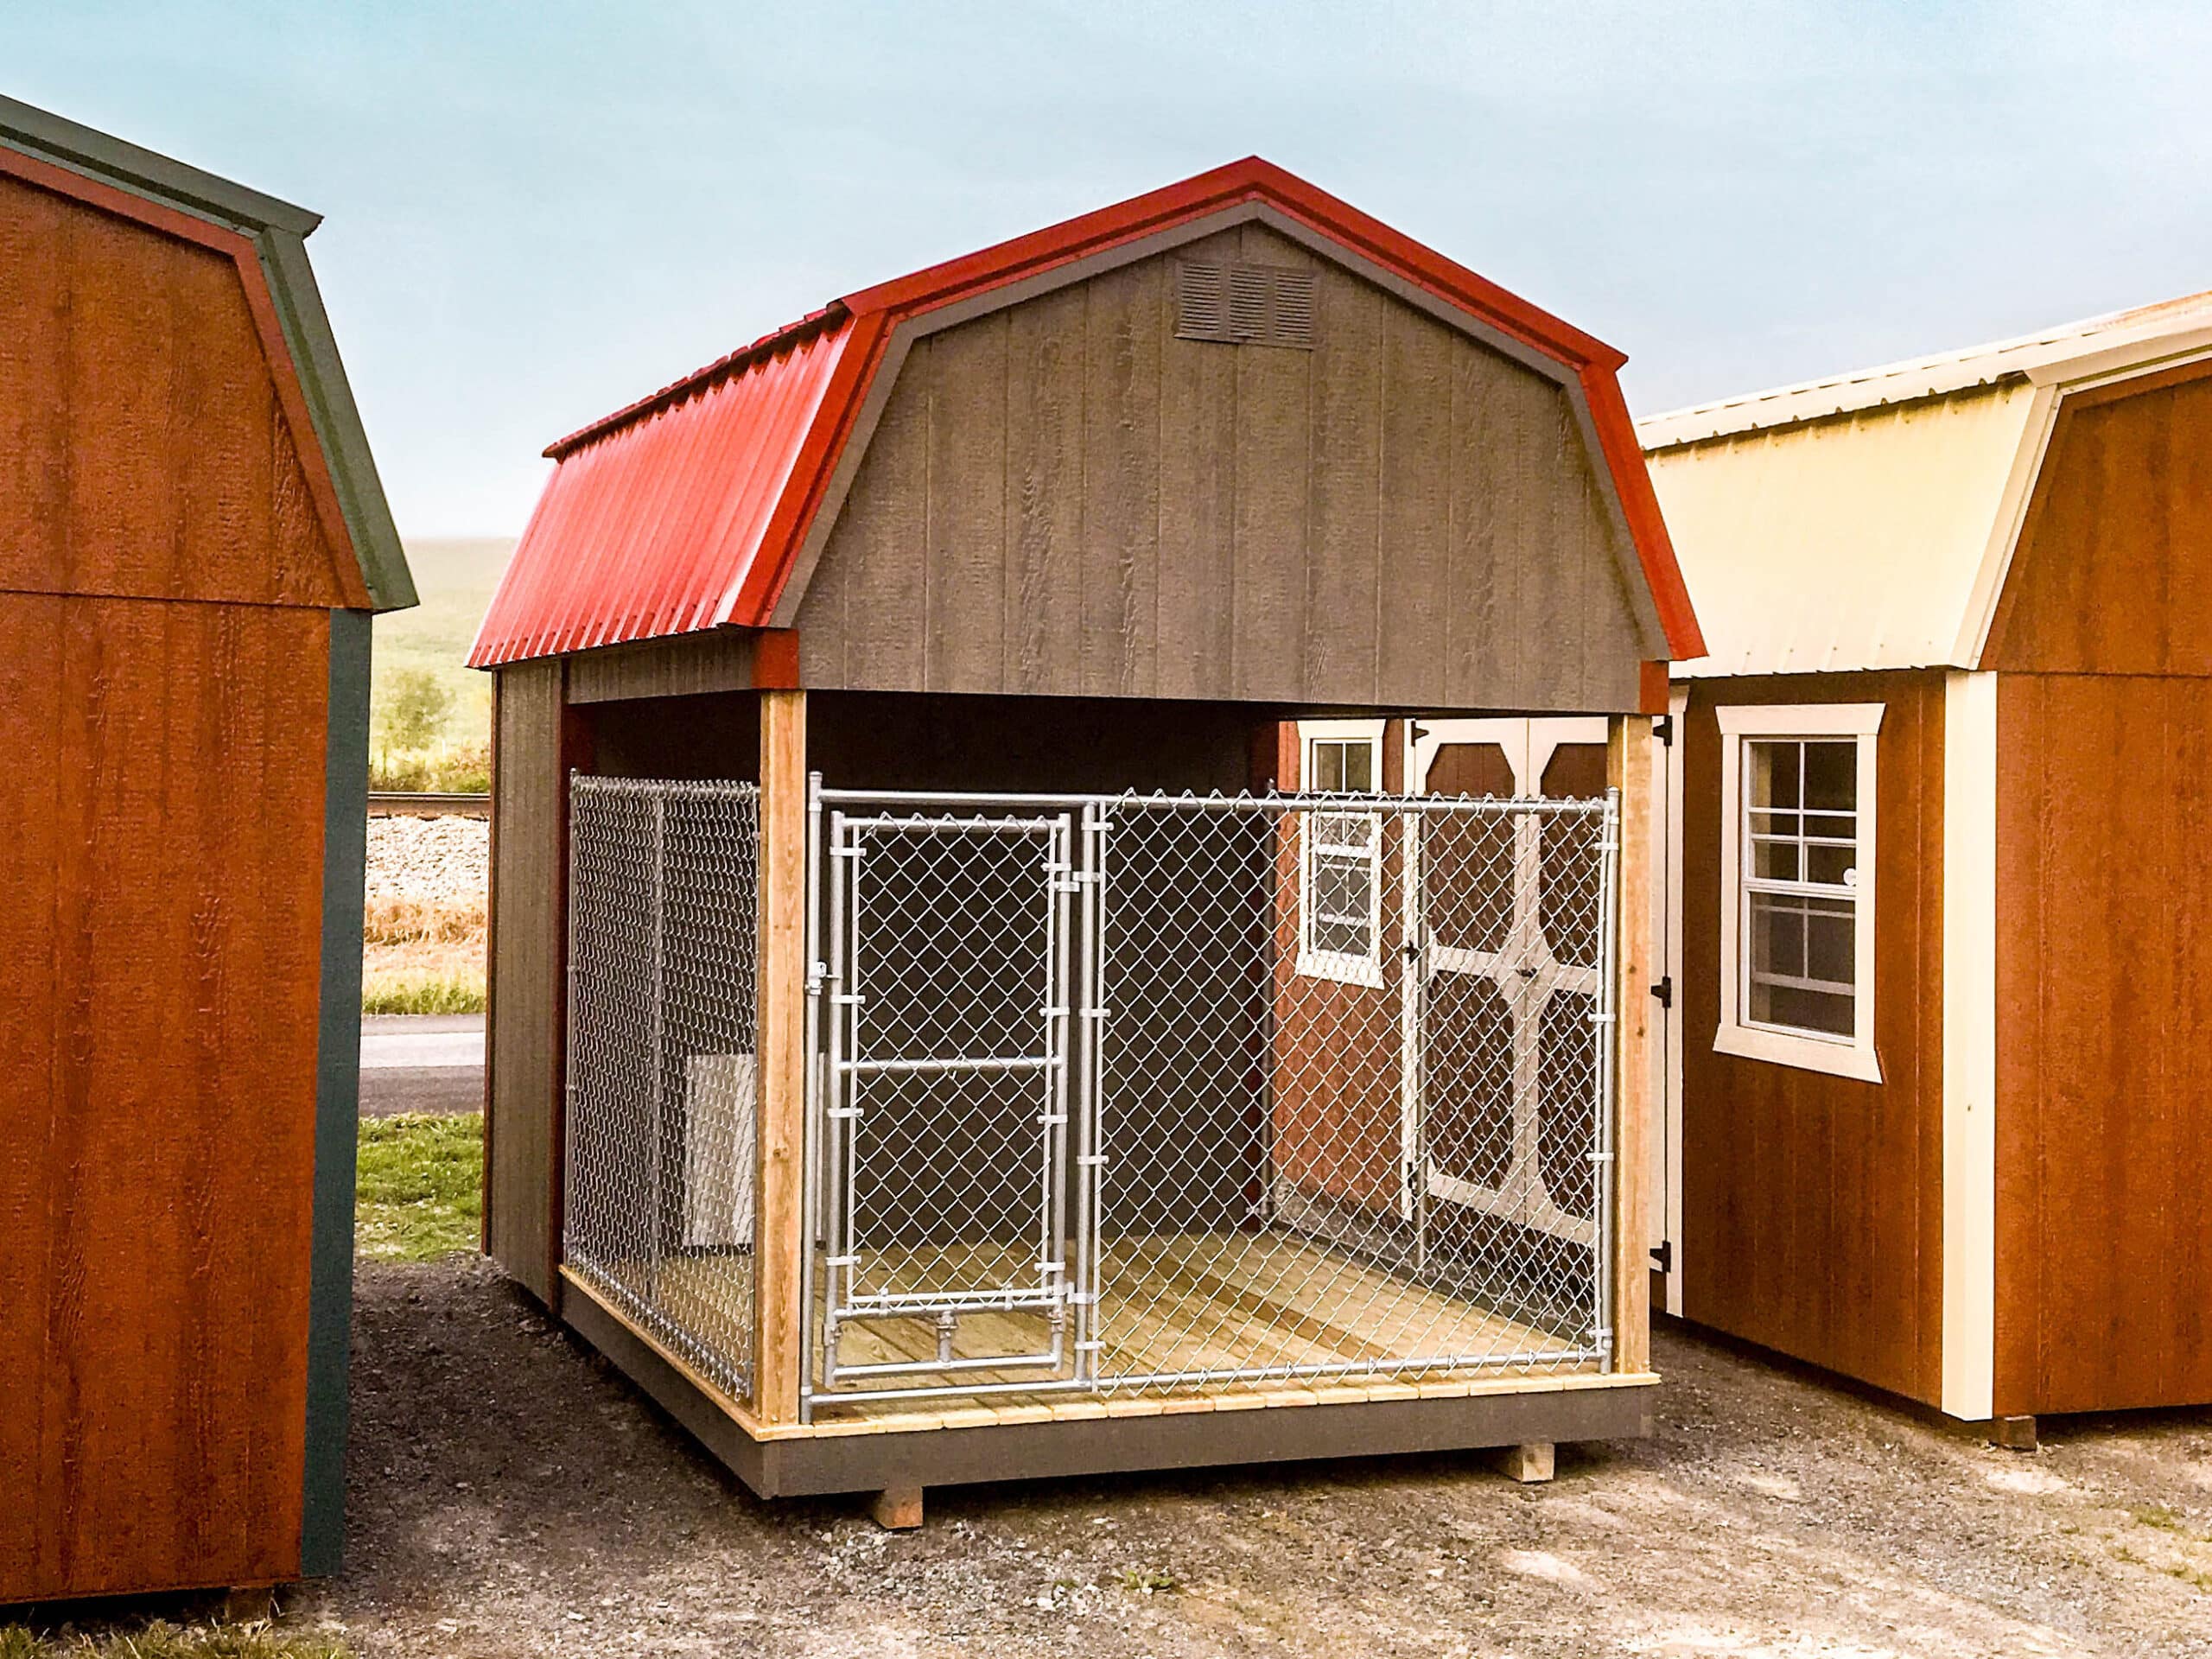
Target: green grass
455,769
423,994
163,1641
420,1192
454,579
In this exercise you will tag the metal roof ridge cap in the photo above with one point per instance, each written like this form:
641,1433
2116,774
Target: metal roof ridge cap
1653,434
2019,354
776,342
1251,178
102,156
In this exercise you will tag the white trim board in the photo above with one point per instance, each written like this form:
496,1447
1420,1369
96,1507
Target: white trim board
1969,1044
1855,1058
1667,1202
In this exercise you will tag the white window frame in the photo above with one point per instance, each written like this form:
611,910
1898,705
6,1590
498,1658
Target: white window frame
1841,1057
1346,967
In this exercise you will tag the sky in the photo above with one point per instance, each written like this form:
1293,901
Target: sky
536,213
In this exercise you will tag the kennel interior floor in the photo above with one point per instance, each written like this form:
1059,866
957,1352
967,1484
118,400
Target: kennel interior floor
1194,1306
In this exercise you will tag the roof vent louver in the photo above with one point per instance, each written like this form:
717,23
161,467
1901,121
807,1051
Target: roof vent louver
1245,305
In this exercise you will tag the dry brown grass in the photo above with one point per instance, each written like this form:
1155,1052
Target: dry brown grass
423,958
413,921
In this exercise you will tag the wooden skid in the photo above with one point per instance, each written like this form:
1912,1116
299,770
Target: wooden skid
1016,1441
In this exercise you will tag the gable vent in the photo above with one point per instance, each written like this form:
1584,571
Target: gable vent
1245,305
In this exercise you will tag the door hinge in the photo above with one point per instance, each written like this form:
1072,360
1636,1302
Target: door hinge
1663,1255
1664,990
1664,728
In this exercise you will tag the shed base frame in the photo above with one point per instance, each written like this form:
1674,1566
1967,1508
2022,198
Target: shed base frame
1290,1426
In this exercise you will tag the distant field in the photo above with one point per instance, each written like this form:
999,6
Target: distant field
456,578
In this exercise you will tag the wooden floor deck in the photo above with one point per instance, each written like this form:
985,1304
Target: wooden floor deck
1187,1308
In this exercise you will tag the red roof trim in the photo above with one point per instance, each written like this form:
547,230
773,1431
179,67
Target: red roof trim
1250,180
750,597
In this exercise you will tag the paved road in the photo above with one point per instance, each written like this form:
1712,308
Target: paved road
421,1063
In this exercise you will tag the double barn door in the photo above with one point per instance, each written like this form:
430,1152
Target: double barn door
1504,957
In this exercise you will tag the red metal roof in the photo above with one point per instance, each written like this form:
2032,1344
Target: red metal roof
688,508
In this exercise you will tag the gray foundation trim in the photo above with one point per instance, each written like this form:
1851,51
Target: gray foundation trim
338,1079
953,1457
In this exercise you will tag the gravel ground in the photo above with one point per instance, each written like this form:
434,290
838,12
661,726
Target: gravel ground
512,1495
430,859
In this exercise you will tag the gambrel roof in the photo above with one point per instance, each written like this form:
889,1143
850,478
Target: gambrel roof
701,505
1868,520
266,238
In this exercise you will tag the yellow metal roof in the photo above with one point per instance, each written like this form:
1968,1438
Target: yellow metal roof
1867,521
1844,543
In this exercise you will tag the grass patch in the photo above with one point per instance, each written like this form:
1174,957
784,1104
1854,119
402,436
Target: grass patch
2158,1515
164,1641
422,958
422,994
389,921
420,1192
445,769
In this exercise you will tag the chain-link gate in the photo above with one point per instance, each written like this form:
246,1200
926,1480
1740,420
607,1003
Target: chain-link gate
946,1092
1335,1073
663,1082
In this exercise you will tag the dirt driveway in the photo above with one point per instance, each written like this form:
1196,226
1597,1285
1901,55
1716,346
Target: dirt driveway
511,1495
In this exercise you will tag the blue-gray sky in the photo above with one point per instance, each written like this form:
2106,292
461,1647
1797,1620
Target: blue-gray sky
536,212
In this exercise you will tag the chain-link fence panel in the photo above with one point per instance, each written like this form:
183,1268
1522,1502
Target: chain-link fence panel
1231,1090
1353,1089
663,1078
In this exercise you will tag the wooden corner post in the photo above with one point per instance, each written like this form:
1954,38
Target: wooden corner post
1628,766
781,1208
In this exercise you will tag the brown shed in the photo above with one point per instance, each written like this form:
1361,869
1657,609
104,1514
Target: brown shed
191,541
1938,1113
950,1019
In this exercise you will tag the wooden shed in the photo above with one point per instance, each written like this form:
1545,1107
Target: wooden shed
974,991
192,539
1938,1115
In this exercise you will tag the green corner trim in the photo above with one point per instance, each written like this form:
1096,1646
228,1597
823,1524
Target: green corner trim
338,1083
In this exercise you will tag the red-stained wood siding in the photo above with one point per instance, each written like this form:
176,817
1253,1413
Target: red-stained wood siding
1337,1045
144,448
2113,571
163,858
1812,1204
2104,1042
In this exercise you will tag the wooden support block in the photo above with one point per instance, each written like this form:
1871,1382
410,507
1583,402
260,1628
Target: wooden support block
249,1605
1531,1464
898,1508
2013,1434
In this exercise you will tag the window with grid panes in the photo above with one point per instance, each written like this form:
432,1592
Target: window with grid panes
1799,872
1340,900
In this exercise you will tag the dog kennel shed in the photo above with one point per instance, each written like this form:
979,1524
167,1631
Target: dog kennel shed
1936,1100
192,540
973,993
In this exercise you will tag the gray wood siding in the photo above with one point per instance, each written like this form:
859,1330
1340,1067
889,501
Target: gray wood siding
1062,499
526,962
